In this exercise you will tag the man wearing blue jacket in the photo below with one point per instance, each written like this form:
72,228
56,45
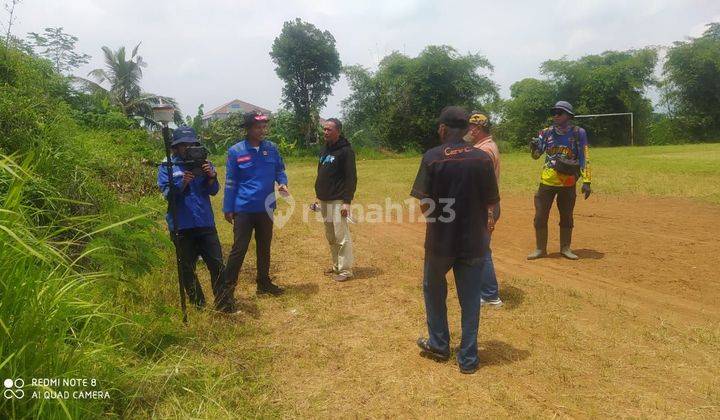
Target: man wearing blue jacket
196,231
254,165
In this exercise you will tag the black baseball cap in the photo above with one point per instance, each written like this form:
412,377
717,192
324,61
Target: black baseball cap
454,117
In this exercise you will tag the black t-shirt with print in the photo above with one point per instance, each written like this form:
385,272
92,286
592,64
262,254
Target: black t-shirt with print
458,181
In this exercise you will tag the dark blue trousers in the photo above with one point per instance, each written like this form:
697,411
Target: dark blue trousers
468,275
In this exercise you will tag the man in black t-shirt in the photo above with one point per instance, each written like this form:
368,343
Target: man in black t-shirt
456,186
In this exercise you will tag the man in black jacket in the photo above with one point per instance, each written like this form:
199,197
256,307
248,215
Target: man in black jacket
335,188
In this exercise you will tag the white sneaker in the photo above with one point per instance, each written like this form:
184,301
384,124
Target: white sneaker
495,303
341,277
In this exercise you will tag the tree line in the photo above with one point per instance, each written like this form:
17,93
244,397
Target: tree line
394,106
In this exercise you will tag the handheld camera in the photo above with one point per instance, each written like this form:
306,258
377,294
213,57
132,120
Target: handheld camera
195,157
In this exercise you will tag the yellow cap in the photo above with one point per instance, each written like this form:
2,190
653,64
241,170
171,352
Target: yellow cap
479,119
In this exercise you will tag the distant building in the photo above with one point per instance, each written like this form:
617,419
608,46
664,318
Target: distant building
236,105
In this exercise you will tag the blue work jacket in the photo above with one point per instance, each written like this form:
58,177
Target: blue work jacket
192,203
251,176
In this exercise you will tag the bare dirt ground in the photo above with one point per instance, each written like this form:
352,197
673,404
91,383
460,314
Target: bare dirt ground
631,329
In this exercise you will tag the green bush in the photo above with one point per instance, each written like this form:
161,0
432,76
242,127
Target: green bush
75,232
283,130
664,131
96,112
397,105
57,315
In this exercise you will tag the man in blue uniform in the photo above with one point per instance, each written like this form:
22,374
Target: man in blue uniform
567,161
457,189
196,232
254,166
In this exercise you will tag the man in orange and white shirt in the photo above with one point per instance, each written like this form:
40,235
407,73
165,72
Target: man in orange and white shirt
479,136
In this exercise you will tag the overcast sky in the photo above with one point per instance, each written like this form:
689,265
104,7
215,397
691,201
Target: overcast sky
213,51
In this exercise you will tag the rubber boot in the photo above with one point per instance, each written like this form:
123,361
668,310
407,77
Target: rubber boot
541,236
565,240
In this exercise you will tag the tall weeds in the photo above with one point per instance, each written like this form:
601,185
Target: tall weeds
51,326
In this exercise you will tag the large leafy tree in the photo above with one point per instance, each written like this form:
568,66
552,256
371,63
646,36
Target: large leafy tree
611,82
308,62
692,83
397,105
123,75
527,110
59,48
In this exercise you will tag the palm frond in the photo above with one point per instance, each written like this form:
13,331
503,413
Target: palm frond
87,85
135,50
100,75
109,56
120,55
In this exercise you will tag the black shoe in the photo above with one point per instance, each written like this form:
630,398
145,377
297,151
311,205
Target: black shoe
431,353
469,371
230,311
198,304
227,307
269,289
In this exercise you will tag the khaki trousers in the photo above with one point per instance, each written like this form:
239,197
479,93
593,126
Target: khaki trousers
337,233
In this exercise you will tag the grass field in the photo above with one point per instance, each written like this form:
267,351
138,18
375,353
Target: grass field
632,329
688,171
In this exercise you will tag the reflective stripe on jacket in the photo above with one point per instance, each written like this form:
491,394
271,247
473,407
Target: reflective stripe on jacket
251,176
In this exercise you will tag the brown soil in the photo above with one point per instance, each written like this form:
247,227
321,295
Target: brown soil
631,329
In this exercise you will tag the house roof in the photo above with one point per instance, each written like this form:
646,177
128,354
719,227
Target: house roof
244,107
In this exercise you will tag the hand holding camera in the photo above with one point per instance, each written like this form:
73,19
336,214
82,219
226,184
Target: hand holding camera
535,147
535,143
188,176
209,170
194,159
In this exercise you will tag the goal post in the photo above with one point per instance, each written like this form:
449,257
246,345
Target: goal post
616,114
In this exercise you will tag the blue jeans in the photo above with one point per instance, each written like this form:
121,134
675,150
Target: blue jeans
489,288
467,281
488,280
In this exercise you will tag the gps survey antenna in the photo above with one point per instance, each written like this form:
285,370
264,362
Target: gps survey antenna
163,113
